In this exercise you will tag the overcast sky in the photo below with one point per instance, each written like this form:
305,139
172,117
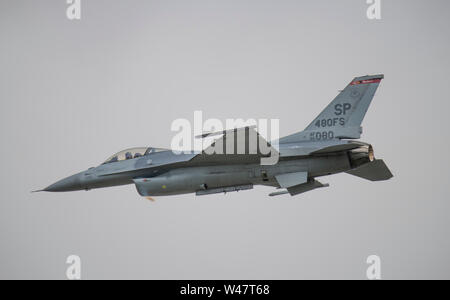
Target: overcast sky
72,93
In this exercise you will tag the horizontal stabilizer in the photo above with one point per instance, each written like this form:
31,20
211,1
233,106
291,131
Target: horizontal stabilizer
373,171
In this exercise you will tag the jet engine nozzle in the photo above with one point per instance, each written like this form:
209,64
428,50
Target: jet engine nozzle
361,155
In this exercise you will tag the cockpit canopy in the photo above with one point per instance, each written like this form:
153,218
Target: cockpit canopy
133,153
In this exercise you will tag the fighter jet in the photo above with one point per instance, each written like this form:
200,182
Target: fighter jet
328,145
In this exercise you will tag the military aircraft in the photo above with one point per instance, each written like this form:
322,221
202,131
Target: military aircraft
327,146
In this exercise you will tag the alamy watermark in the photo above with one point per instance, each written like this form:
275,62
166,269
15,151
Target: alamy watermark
73,272
374,270
73,11
374,9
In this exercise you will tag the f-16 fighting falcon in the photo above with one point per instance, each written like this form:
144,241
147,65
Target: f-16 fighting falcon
327,146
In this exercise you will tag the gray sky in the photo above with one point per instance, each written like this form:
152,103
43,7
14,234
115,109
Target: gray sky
74,92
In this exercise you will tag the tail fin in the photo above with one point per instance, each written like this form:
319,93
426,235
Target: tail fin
342,118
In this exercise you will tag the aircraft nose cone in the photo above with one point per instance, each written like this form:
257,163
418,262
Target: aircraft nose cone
71,183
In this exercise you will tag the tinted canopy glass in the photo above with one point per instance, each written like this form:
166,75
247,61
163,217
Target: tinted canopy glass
133,153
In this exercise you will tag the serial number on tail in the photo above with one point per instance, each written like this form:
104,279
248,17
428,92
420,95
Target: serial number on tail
321,135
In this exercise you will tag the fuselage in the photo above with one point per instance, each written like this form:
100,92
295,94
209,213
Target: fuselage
153,176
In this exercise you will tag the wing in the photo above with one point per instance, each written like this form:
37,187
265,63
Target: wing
239,145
